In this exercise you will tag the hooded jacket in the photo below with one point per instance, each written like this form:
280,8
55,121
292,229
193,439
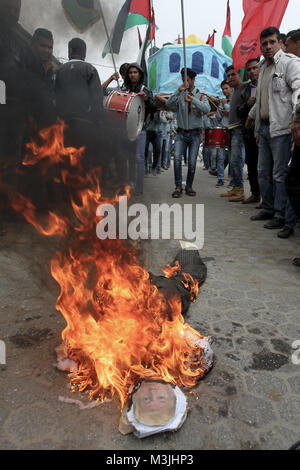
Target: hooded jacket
150,107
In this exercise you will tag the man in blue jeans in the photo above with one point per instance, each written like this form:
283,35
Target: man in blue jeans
237,155
190,106
277,92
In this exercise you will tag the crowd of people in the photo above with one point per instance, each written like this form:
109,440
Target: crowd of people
258,117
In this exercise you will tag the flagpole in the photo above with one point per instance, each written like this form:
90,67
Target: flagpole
109,42
184,55
151,20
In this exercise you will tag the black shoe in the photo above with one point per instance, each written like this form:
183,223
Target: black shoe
274,224
262,215
219,184
296,262
213,172
286,232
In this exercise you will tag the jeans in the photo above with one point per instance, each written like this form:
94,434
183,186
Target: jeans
206,156
167,153
237,158
140,161
221,163
273,159
186,140
213,157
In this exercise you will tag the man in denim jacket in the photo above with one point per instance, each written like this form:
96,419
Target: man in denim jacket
277,92
190,106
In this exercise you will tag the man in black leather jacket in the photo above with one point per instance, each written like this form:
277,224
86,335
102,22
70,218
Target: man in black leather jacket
248,99
79,100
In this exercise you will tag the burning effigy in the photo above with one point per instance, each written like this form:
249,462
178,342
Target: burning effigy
125,334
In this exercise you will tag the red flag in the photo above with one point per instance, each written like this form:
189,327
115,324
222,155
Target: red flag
211,39
259,14
179,39
141,7
227,30
152,34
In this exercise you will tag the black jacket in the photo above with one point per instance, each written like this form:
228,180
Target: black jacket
79,92
243,109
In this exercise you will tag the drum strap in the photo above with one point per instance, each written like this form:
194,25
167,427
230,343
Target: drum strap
202,94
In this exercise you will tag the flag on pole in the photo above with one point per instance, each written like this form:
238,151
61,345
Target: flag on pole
82,14
140,37
141,60
226,38
132,13
259,14
211,39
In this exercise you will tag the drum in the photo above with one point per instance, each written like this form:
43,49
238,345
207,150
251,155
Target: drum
218,137
128,106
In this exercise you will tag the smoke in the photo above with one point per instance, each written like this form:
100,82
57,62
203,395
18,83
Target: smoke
49,14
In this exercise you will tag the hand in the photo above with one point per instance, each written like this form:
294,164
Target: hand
257,141
188,98
143,95
223,100
223,112
115,76
183,87
249,123
251,101
161,99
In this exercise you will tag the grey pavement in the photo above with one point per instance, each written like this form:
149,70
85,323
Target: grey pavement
249,304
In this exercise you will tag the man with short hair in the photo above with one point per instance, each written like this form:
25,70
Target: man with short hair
248,99
223,153
79,100
40,76
236,194
190,106
13,114
277,92
293,42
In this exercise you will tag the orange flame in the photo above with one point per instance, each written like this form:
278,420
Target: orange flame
120,328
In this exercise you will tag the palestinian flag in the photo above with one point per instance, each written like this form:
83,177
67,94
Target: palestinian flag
211,39
226,39
132,13
82,14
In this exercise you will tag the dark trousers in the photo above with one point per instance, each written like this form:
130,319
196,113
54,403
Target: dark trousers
293,181
252,163
153,138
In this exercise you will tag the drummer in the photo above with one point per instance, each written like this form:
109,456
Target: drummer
134,83
187,99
